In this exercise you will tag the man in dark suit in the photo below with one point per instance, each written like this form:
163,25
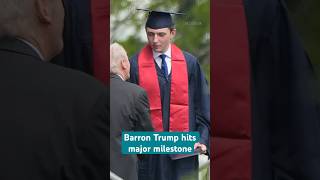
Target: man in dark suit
53,122
129,112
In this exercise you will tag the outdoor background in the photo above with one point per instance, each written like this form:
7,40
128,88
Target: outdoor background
305,15
127,26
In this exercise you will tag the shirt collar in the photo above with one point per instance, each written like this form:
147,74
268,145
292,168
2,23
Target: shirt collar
33,47
167,53
120,77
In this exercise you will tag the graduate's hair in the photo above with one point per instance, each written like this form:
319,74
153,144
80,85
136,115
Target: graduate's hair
16,15
170,28
117,53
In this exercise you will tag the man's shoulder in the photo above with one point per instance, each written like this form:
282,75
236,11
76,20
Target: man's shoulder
52,77
75,80
135,88
49,83
80,78
135,56
189,57
71,86
63,82
132,88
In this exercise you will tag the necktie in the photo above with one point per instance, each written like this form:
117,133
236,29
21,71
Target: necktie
164,67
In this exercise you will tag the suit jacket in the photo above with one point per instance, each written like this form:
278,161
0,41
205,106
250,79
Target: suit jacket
53,122
129,112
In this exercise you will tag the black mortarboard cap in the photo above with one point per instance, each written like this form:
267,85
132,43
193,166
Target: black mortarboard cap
159,19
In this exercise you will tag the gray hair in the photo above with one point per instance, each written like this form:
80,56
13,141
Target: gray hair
16,16
117,53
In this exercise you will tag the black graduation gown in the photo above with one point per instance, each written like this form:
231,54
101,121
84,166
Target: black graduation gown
77,36
286,123
161,167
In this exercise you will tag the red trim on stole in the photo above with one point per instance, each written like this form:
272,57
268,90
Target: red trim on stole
179,99
100,37
232,139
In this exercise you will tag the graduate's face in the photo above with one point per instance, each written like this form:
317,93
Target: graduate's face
159,39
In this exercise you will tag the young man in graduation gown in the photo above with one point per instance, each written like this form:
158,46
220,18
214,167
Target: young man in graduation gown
178,94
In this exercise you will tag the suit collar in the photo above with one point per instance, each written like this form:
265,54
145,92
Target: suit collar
115,76
33,47
15,45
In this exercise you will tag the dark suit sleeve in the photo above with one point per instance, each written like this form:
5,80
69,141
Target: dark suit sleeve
94,139
142,113
202,104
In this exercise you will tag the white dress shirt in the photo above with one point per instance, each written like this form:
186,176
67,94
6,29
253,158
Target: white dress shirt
159,60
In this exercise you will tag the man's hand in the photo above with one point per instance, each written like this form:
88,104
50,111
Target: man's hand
201,147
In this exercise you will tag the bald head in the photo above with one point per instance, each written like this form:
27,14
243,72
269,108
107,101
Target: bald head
40,22
119,63
15,14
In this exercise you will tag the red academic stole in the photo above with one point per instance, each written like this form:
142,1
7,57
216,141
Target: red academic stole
179,99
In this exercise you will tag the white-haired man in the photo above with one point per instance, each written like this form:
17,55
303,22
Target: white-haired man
129,107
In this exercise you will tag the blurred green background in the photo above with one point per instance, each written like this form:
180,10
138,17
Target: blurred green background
193,28
305,16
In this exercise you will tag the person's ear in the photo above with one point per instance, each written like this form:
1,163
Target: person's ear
173,33
43,11
123,64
